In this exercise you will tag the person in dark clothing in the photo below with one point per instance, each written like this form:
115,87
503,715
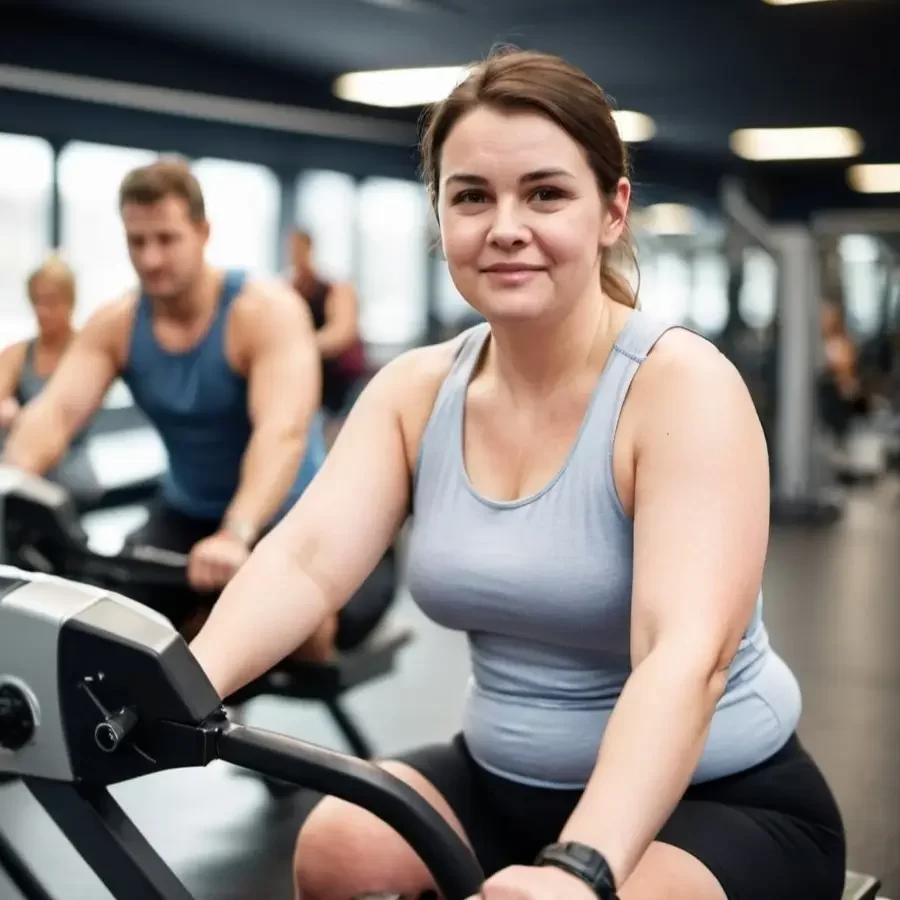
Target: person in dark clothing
335,314
841,394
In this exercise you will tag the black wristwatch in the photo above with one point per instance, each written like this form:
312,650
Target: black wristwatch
583,862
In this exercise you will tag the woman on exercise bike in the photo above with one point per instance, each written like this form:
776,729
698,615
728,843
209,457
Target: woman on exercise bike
26,366
589,492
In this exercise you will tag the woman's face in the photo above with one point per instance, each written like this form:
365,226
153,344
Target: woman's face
523,223
52,304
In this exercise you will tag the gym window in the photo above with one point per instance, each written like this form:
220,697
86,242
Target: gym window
666,285
759,288
243,203
864,280
709,297
90,225
26,201
393,263
326,207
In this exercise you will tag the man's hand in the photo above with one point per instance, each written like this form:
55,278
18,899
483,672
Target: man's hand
9,409
214,560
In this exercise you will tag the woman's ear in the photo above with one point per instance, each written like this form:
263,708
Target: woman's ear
615,214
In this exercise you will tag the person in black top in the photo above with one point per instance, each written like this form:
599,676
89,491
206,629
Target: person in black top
842,396
335,313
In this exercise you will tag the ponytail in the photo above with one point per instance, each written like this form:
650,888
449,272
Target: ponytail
613,282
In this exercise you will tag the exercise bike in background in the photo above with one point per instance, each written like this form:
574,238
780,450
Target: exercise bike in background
40,531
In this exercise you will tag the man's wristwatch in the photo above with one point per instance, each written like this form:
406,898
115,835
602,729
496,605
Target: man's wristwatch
243,531
583,862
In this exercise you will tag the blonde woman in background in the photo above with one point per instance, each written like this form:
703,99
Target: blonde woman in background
26,366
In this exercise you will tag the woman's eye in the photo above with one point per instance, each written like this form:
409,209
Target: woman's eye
469,197
547,195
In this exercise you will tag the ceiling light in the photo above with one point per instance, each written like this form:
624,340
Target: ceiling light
790,2
419,87
634,127
796,143
875,179
399,87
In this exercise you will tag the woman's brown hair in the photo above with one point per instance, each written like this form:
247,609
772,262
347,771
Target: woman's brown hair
514,80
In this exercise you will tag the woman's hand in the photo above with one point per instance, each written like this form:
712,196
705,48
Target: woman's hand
535,883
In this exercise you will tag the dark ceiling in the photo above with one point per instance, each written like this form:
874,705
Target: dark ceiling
700,68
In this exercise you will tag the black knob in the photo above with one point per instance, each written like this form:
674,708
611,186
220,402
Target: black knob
16,718
110,733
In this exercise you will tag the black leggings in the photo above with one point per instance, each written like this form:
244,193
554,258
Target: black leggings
773,832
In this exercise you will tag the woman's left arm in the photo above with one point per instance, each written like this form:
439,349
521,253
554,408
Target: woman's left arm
701,523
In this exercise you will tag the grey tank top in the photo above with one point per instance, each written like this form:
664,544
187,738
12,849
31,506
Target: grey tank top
542,588
31,384
75,471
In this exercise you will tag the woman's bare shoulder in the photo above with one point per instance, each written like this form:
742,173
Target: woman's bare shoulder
410,384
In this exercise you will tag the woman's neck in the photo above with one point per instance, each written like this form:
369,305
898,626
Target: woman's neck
56,342
532,360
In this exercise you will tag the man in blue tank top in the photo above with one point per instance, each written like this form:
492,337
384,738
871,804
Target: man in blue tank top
223,365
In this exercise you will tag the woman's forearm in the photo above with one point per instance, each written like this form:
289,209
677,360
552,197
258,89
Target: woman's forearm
267,611
653,743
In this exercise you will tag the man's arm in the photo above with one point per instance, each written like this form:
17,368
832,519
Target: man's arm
284,382
341,328
45,427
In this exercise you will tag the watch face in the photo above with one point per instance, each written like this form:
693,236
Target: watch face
583,862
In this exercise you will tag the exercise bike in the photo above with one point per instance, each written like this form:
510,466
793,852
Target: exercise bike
96,689
40,531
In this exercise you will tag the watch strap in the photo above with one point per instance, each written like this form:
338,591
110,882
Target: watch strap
583,862
243,531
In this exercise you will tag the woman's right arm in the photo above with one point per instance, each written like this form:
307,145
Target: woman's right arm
314,560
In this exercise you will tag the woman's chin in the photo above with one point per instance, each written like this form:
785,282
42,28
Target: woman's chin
515,306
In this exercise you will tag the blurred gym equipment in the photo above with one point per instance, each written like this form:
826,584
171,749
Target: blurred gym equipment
40,531
96,690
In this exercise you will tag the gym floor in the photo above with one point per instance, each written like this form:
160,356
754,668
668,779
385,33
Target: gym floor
833,609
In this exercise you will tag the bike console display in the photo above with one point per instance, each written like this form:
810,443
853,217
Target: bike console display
96,689
95,668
